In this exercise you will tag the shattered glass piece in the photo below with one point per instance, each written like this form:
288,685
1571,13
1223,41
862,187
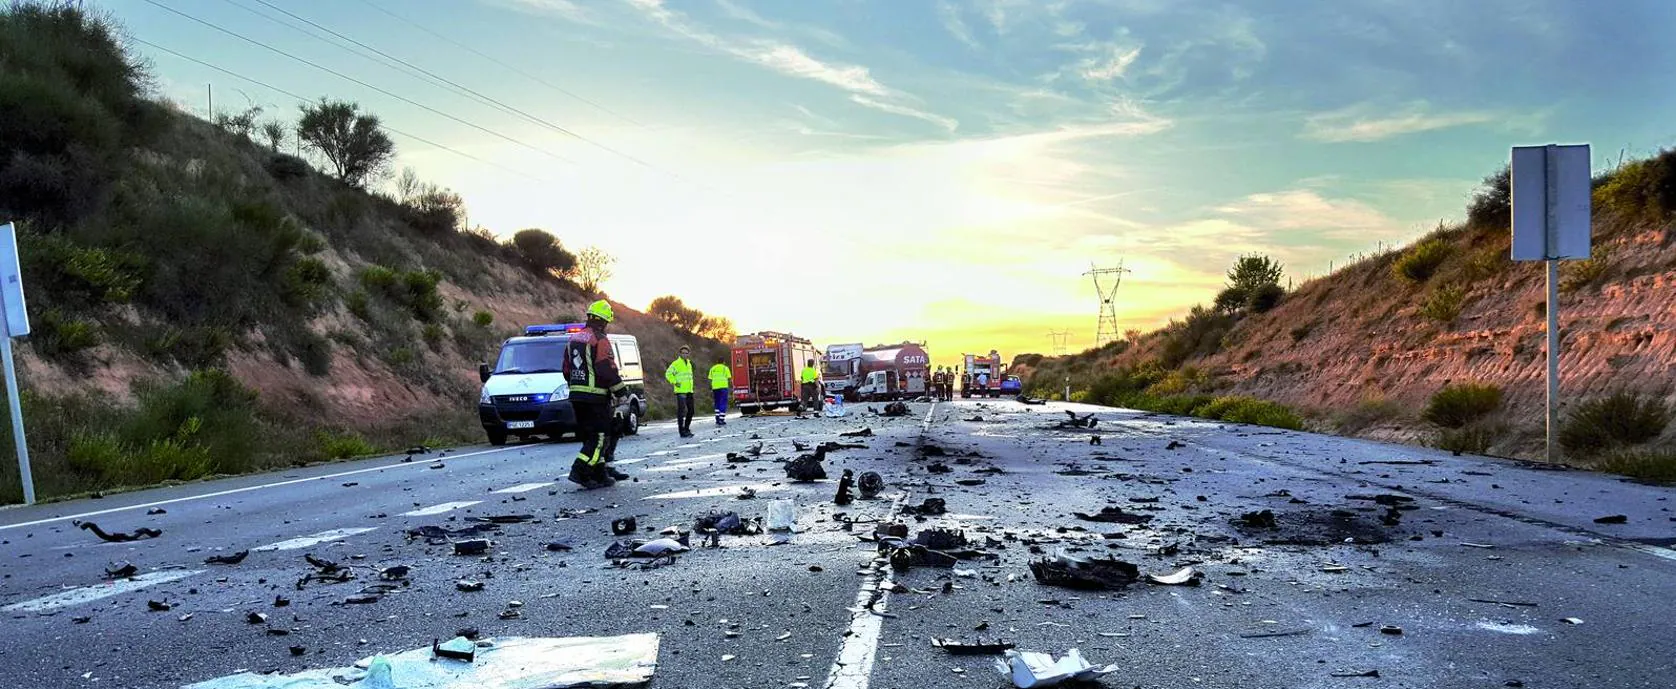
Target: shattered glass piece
1029,669
457,648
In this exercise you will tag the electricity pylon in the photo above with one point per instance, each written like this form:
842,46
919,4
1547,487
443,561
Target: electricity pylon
1060,339
1106,331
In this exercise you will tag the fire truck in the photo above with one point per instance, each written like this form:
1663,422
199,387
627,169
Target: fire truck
982,375
765,371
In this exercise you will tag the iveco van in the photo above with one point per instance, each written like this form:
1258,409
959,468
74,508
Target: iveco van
525,393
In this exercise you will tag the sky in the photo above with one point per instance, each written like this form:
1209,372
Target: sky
947,170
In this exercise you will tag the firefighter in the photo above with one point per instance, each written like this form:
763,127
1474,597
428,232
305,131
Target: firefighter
595,384
811,385
721,383
680,377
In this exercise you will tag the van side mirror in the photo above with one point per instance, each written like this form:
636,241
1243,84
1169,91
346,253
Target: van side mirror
483,372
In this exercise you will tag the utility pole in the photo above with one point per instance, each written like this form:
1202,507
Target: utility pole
1059,338
1106,331
210,90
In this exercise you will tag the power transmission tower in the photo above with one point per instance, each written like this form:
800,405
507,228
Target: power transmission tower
1060,338
1106,331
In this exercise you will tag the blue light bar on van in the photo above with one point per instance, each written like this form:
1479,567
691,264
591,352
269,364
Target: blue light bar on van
551,328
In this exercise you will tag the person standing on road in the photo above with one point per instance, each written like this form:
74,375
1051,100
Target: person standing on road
811,385
595,383
721,384
680,377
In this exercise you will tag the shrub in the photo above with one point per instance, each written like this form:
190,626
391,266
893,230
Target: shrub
1648,465
1422,260
1366,414
1444,303
359,304
57,336
1230,299
219,411
194,347
306,282
333,445
116,463
1644,190
75,275
1492,205
1472,439
482,319
433,333
1575,275
1614,421
542,252
287,167
416,290
1458,405
1265,298
1237,409
315,351
1301,332
1180,405
354,143
1200,335
437,212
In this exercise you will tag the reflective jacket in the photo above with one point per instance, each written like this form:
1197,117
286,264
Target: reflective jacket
680,375
721,377
811,374
590,368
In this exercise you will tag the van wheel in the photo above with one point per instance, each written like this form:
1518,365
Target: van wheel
497,438
631,422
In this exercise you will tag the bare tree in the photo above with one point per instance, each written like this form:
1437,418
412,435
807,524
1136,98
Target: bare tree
353,143
593,267
408,185
242,123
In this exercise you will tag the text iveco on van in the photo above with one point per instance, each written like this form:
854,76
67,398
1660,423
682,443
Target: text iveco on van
525,393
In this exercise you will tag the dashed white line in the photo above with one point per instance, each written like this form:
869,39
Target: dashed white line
524,488
439,509
316,539
853,668
713,492
88,594
235,491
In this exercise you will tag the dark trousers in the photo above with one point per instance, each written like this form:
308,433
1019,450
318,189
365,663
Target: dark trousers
812,396
684,411
721,402
593,426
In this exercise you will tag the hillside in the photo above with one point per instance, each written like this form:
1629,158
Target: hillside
204,304
1364,350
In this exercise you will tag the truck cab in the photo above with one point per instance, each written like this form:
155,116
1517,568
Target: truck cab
525,393
880,386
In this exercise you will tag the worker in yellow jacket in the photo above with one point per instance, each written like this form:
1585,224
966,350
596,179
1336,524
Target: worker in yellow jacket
680,377
721,385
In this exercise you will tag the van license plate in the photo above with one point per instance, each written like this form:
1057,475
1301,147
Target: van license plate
520,424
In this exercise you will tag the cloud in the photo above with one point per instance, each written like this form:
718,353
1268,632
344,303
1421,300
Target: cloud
1364,123
956,26
948,123
567,9
1112,64
1306,209
792,61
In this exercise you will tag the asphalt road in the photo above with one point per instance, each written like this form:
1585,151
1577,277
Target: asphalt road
1485,562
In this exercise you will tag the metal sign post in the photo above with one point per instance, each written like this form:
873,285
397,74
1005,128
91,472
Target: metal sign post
16,318
1551,199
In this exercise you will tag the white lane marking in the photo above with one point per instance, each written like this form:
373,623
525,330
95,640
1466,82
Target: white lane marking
524,487
713,492
1655,551
439,509
88,594
853,669
711,440
1518,629
636,460
661,453
688,446
683,464
246,489
316,539
927,425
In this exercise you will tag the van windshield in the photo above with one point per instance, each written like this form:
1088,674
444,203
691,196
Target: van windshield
543,356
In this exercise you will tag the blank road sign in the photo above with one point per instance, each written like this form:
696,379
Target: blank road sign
1551,197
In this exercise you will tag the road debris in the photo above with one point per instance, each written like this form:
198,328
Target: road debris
255,618
1357,673
457,648
1613,519
118,537
1571,620
805,468
1271,635
437,535
974,648
468,586
159,606
1391,629
871,484
729,523
394,572
1186,576
941,539
863,433
970,482
1175,445
845,483
894,409
1075,421
625,526
476,546
929,507
1088,575
1112,514
503,518
1263,519
938,468
1029,669
232,559
121,570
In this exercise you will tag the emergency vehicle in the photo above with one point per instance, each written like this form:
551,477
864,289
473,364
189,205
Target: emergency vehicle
525,393
982,375
766,366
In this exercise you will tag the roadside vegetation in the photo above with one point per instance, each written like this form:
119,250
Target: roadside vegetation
198,246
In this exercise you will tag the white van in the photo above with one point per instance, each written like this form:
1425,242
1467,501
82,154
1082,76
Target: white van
525,393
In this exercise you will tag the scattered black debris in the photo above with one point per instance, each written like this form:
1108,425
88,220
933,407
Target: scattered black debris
121,570
729,523
1357,673
1175,445
476,546
255,618
895,409
298,650
975,419
118,537
281,601
975,648
1508,603
1271,635
1114,515
503,518
419,450
394,573
1613,519
1095,440
83,619
930,507
845,483
736,458
364,599
1383,499
1402,462
351,484
805,468
871,484
1392,517
1089,575
746,493
159,606
156,511
1391,629
941,539
625,526
932,451
939,468
910,556
1258,520
232,559
468,586
1075,421
970,481
561,544
278,631
436,535
863,433
891,530
325,566
1031,400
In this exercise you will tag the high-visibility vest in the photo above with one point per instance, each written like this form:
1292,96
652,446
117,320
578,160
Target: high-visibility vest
680,375
721,377
589,366
811,375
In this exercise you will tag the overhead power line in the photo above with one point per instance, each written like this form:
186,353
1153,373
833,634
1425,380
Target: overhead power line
304,99
354,80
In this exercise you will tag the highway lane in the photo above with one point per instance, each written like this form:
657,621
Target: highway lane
753,614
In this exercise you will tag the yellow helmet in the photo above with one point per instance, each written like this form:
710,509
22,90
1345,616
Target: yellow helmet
602,310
